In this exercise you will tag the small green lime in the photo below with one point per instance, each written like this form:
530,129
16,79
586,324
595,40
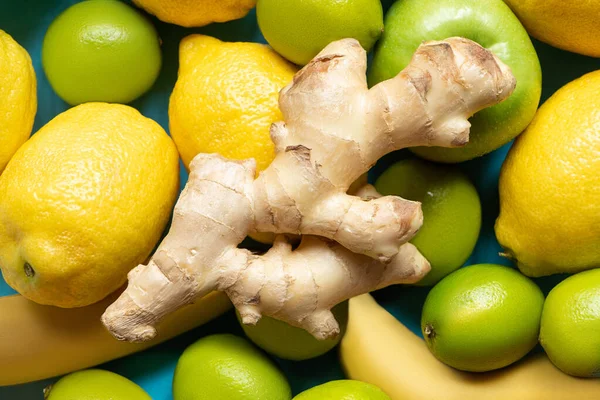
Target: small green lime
227,367
291,343
95,384
482,317
343,390
570,331
101,50
451,212
299,29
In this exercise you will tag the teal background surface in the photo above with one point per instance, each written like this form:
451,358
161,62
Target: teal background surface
28,20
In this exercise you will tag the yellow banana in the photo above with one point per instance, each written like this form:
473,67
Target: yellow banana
380,350
38,342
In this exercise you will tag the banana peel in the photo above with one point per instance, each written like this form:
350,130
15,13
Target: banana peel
39,342
378,349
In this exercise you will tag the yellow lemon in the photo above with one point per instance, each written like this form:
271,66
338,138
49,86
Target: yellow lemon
83,201
550,185
226,98
196,12
568,25
18,97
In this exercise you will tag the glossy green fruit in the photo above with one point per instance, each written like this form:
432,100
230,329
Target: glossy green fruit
451,212
101,50
570,331
95,384
227,367
482,317
343,390
493,25
291,343
299,29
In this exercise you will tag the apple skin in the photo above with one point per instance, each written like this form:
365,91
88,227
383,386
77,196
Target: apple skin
493,25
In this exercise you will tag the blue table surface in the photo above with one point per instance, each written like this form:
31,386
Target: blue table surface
28,20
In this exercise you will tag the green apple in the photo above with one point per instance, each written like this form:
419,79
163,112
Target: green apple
491,24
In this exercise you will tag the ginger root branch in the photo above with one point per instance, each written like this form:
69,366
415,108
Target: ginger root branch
334,130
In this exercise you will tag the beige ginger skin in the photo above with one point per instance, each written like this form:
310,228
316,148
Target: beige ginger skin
334,130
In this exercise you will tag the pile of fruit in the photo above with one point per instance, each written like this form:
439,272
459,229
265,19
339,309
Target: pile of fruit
278,217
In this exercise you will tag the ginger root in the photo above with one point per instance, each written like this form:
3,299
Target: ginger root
335,129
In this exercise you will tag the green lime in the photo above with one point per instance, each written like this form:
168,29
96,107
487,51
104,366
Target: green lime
570,331
482,317
95,384
343,390
299,29
227,367
451,211
291,343
101,50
